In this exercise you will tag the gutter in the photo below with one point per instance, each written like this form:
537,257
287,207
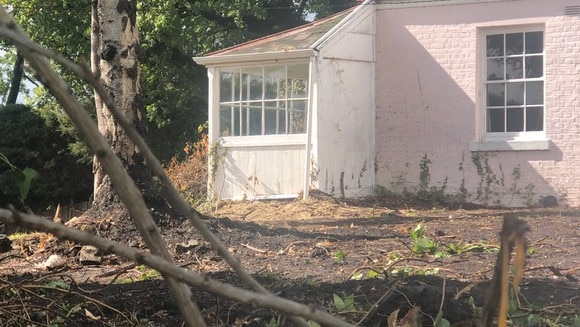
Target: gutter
253,57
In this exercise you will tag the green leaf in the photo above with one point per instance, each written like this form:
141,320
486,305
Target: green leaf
24,184
59,284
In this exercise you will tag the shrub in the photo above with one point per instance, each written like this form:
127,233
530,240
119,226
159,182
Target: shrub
27,141
190,174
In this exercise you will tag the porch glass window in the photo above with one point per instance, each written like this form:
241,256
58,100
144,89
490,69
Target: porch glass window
264,100
514,82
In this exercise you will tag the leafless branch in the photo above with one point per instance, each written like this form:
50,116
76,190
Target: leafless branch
125,186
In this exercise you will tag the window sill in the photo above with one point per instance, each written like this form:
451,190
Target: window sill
262,140
511,145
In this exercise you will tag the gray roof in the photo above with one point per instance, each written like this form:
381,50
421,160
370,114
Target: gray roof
298,38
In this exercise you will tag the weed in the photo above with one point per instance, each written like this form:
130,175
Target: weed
190,175
342,305
339,256
422,245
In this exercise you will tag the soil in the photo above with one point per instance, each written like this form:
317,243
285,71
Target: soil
311,251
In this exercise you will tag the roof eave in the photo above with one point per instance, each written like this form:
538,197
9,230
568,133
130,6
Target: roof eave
336,28
254,57
433,3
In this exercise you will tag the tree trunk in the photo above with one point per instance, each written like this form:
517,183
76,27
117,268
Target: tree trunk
16,79
114,56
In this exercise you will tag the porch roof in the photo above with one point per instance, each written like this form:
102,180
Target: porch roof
296,42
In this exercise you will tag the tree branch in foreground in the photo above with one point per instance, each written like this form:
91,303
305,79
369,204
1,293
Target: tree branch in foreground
124,185
168,268
175,198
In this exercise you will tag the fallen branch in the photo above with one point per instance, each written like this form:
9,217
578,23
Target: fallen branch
169,269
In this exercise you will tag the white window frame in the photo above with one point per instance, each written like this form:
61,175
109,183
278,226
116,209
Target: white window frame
262,139
505,141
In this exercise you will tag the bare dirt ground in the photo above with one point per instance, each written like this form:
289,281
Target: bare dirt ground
316,251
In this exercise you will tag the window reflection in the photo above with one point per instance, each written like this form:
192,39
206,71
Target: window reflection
515,82
264,100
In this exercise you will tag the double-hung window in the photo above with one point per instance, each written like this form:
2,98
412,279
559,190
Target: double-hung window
263,100
514,83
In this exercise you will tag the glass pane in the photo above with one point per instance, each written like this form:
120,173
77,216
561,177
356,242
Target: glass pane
494,69
535,119
229,86
271,122
514,43
297,122
255,121
515,94
252,83
515,119
226,86
494,45
298,79
534,93
237,122
514,68
299,88
495,120
225,120
274,75
244,121
282,122
534,42
495,94
534,66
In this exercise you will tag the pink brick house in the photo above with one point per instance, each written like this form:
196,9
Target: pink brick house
475,98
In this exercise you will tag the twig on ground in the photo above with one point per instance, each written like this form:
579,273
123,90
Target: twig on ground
364,320
248,246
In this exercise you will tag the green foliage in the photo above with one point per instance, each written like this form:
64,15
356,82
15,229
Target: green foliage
28,141
339,256
22,178
422,245
343,304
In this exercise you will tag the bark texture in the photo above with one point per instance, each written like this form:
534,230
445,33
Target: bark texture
115,57
16,79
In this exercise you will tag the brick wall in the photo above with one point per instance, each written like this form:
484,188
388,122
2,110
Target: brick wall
428,103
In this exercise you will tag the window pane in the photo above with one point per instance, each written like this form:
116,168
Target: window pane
494,45
244,121
282,122
274,75
271,121
534,42
237,122
494,69
225,120
495,120
535,119
255,121
534,66
514,43
229,86
495,94
515,94
297,122
252,84
299,88
514,68
534,93
515,119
